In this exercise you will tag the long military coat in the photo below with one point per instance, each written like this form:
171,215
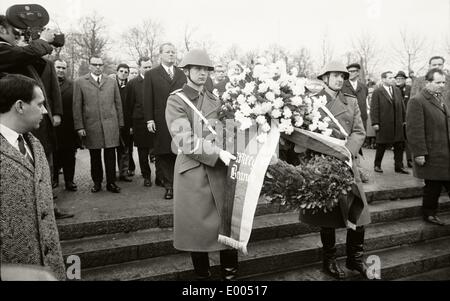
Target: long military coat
346,110
200,177
98,110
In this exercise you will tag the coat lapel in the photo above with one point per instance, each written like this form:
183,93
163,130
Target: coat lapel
337,106
210,105
434,101
11,152
386,94
162,72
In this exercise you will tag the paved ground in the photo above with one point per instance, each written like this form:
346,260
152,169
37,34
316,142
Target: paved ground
137,200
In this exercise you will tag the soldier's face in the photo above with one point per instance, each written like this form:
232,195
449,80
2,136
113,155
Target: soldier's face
437,63
336,80
198,75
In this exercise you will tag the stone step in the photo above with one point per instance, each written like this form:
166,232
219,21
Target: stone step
159,213
442,274
121,247
426,260
272,255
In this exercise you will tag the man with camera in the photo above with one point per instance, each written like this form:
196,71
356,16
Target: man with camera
28,60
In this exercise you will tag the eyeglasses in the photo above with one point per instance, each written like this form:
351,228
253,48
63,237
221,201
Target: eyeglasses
97,65
123,71
353,71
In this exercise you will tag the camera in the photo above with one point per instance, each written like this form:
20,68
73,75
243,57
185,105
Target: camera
31,19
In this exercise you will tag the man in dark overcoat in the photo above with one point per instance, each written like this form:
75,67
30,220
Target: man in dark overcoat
387,113
400,80
159,82
428,132
67,137
143,139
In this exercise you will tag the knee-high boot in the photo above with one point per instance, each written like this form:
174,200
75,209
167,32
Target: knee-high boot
355,251
200,261
229,264
330,266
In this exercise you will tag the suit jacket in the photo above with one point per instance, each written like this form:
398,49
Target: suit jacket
27,223
361,94
389,114
67,137
135,100
157,88
199,177
98,110
428,131
346,110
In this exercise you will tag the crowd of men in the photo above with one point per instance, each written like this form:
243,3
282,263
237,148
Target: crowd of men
45,117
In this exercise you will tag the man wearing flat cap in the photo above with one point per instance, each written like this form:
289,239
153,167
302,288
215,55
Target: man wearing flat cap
354,86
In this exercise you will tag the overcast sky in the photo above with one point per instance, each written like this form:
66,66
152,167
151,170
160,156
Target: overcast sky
253,24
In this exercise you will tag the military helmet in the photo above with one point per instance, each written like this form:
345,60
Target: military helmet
334,66
197,57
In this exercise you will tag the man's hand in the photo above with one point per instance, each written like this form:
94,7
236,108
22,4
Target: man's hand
82,133
151,126
56,120
420,160
48,35
376,127
226,157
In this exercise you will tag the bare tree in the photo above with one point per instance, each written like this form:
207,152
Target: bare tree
144,39
301,59
188,36
276,52
71,53
92,39
412,51
326,49
232,53
368,53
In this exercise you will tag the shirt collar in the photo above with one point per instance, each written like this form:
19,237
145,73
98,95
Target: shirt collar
96,76
9,134
168,68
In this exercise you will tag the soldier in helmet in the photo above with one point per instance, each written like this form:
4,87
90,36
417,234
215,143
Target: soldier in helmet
200,169
352,212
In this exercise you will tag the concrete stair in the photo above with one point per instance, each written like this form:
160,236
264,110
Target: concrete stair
281,248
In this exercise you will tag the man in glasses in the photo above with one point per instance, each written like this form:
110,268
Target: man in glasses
98,118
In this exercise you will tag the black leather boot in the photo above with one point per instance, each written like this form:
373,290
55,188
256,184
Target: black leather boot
355,251
200,261
229,264
330,265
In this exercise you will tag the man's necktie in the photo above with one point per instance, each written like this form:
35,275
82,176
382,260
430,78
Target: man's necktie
98,80
170,73
391,92
22,148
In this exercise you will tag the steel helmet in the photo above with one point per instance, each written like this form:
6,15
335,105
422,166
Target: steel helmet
334,66
197,57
